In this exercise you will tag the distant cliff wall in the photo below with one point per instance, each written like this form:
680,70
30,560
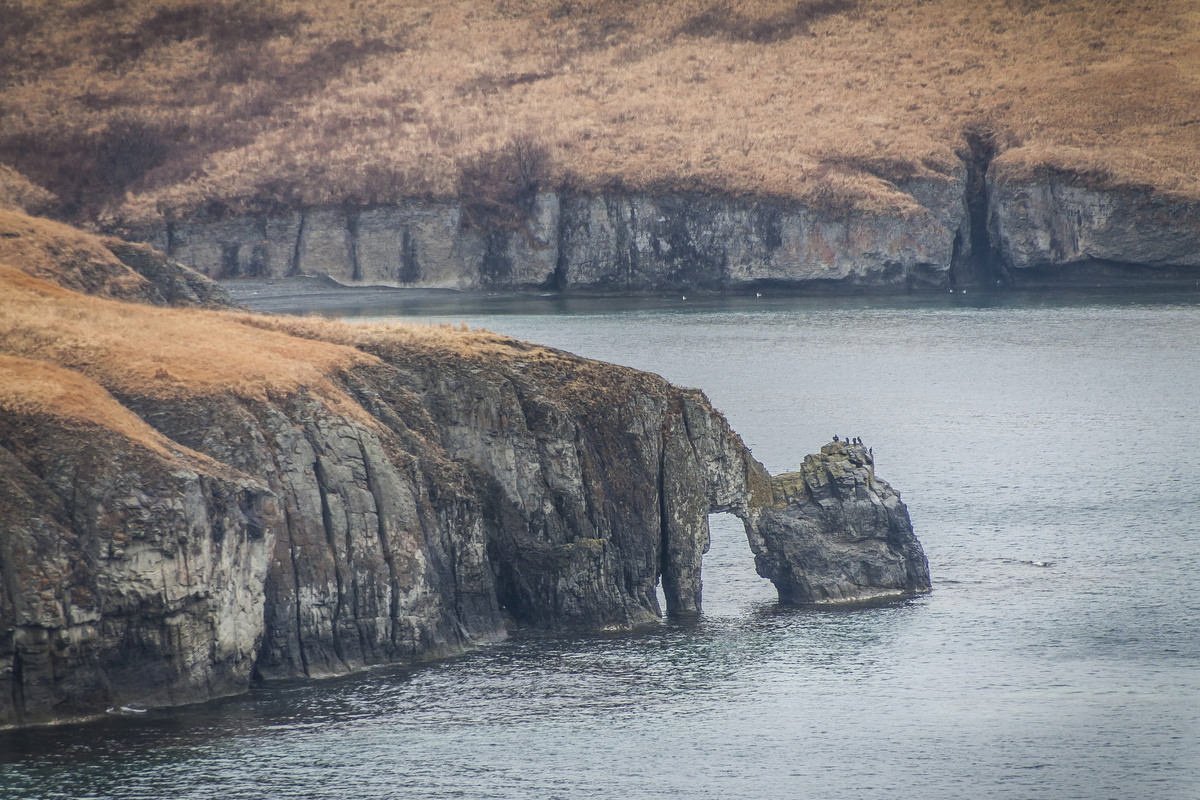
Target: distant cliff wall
1051,231
615,243
980,228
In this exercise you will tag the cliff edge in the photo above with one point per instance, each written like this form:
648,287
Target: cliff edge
193,499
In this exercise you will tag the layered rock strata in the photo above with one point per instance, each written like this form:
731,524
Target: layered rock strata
132,569
615,243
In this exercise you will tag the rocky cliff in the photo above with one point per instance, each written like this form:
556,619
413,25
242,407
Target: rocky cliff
1054,230
610,243
978,228
837,533
191,500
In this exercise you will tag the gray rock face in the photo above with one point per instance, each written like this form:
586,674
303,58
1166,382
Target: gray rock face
969,229
248,247
644,243
129,575
434,499
597,480
837,533
633,243
380,551
1051,230
451,495
417,244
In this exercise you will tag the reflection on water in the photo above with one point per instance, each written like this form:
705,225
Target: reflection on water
1048,452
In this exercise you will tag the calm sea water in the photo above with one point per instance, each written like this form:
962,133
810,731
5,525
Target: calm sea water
1049,454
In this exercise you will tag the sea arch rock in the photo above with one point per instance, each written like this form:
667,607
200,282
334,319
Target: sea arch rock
836,533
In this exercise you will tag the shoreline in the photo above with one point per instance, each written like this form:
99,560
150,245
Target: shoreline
325,296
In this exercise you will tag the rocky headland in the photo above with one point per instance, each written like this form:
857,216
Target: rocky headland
195,499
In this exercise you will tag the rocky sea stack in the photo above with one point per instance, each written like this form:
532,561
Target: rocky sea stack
837,533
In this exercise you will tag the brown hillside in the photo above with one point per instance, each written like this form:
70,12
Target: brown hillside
135,108
67,354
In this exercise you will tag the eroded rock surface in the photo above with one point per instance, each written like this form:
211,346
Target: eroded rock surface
1055,231
837,533
168,542
986,225
614,243
426,504
130,570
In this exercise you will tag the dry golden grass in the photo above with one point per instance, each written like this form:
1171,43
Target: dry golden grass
366,101
36,388
138,350
76,357
66,256
583,383
67,354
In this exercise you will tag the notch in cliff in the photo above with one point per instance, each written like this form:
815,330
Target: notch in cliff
973,262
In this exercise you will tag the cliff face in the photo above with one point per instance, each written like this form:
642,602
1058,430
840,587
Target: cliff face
1054,231
620,243
190,500
979,228
131,567
449,498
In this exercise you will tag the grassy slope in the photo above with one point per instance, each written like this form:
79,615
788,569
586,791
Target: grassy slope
133,108
72,353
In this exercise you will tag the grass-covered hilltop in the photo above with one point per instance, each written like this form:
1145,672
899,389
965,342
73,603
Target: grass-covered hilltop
140,115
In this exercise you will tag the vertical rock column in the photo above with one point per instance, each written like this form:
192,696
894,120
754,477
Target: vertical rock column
684,517
835,533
